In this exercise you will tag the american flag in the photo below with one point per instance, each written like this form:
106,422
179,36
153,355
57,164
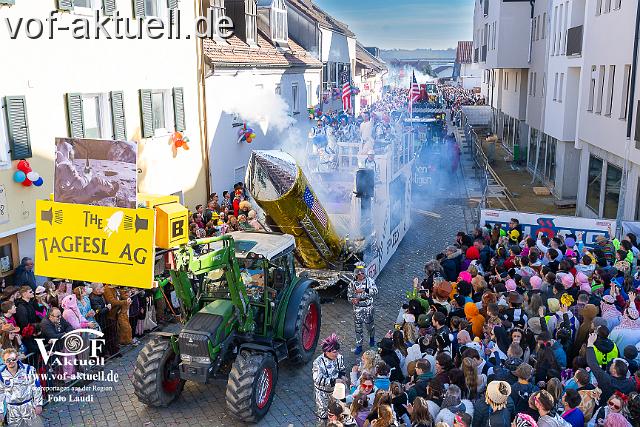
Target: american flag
414,92
312,203
346,92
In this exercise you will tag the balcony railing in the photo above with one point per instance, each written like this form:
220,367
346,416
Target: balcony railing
574,41
476,54
483,58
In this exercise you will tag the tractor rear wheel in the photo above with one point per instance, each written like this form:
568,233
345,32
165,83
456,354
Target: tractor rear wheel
156,375
308,321
251,385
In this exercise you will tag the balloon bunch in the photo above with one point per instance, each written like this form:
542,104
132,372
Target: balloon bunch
355,90
246,134
337,93
178,140
26,176
314,113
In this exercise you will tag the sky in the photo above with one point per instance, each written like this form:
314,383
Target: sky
405,24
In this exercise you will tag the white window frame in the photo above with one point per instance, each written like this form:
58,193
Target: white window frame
598,7
103,113
169,118
593,82
600,90
162,9
279,29
251,24
88,11
555,87
611,81
617,4
310,100
295,100
607,6
561,88
5,156
624,105
544,25
535,81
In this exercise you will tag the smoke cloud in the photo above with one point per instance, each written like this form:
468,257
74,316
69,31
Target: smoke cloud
401,76
253,104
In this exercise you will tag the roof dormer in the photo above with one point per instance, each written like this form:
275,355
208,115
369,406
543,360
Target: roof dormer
273,14
244,14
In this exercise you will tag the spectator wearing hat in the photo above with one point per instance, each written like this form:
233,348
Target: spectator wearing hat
496,408
627,333
451,263
24,275
389,356
477,320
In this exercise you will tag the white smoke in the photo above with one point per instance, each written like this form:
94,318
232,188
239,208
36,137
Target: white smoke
252,104
401,76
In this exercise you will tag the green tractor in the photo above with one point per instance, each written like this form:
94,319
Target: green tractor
241,299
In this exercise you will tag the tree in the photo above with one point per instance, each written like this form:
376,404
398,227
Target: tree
426,69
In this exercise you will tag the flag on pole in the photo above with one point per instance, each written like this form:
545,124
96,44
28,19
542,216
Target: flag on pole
346,92
414,93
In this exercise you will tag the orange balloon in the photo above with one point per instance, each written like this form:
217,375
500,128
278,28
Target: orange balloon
179,143
185,146
177,135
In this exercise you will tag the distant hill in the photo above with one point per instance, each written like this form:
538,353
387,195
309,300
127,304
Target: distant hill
417,54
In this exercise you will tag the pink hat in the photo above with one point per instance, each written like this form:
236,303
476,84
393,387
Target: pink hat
535,282
585,287
582,279
465,275
567,280
511,285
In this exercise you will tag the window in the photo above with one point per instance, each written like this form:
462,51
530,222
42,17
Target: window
310,102
598,7
607,6
91,115
544,25
9,258
218,11
533,28
530,83
555,88
600,91
332,74
592,88
279,32
612,191
251,22
617,4
157,8
544,84
561,87
625,92
295,101
594,184
610,85
538,27
506,80
162,111
555,25
560,20
535,83
88,7
515,86
278,90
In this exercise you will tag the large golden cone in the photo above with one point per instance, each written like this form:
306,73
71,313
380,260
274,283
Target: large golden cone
281,189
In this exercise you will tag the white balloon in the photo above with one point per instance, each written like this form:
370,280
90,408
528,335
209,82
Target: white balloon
33,176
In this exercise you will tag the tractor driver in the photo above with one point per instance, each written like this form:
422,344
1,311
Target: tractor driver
253,276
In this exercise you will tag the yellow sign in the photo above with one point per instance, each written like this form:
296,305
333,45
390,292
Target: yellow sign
95,243
172,225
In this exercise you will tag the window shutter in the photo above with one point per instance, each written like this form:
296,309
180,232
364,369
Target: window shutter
65,4
7,1
172,4
74,113
19,141
117,116
109,7
138,8
178,108
146,113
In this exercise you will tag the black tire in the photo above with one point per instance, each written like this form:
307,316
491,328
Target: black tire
301,350
244,385
156,379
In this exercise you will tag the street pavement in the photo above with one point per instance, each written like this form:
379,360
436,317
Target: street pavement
438,215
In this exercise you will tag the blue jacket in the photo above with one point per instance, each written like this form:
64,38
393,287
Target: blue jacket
382,383
559,353
575,418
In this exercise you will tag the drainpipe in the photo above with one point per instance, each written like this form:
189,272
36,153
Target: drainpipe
202,102
630,109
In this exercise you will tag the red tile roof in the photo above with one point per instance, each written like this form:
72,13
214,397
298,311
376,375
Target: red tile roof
236,53
464,53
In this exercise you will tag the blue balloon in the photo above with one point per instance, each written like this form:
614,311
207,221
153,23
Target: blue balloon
19,176
38,182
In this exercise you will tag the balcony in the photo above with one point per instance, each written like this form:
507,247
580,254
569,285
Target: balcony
476,54
483,58
574,41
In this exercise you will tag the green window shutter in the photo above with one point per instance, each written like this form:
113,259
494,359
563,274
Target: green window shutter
178,108
65,4
146,112
7,1
117,116
109,7
138,9
19,141
172,4
75,116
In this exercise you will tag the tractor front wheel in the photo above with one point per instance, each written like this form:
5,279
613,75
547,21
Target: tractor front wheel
308,321
156,376
251,385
